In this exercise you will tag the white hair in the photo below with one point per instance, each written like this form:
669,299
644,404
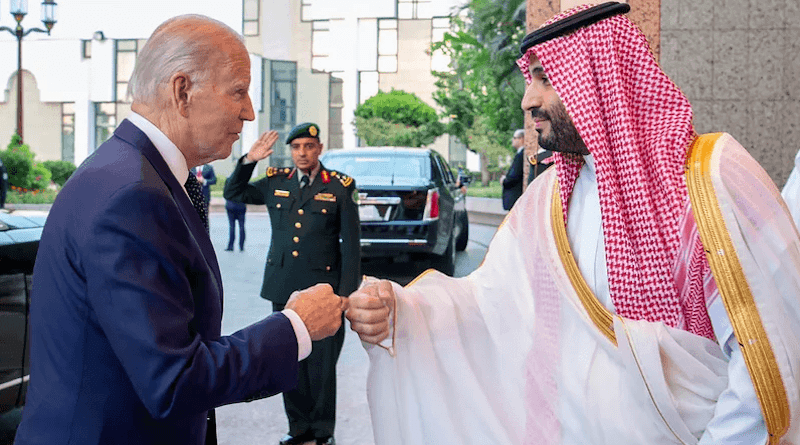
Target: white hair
181,44
519,133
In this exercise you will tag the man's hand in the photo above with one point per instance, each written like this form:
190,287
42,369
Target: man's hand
319,308
369,310
263,146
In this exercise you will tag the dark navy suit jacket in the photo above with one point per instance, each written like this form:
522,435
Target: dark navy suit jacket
126,313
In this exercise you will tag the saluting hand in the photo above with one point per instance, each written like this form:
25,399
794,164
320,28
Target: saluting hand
319,308
263,146
369,310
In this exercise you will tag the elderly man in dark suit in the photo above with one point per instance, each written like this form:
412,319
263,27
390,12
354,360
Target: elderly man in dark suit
127,294
311,209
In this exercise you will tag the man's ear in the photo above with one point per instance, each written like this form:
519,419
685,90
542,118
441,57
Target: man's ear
180,87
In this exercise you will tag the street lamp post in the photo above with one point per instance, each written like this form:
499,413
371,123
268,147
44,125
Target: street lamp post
19,8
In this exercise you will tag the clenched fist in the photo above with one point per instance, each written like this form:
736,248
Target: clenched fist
369,310
319,308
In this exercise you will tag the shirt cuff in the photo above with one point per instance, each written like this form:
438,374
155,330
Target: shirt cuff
303,338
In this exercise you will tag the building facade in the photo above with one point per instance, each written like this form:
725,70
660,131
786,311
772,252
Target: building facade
311,60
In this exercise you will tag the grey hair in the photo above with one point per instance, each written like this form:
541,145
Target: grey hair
519,133
180,44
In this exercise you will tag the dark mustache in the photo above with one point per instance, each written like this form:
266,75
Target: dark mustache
539,113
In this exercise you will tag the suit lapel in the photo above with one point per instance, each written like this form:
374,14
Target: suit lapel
133,135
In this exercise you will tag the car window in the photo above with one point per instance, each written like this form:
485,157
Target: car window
385,165
448,173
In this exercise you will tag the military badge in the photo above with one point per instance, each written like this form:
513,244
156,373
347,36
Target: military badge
312,130
357,196
328,197
282,193
326,177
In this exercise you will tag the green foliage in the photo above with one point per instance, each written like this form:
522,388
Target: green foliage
397,106
39,177
483,46
493,190
61,170
18,160
378,132
397,118
219,186
34,197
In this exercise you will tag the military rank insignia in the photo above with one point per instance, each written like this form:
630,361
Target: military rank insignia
326,177
328,197
345,180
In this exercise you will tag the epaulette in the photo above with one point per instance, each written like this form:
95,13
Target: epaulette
272,171
346,180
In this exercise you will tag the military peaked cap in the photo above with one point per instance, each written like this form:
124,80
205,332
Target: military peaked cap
304,130
573,22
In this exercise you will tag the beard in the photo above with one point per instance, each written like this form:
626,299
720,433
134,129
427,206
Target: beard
563,136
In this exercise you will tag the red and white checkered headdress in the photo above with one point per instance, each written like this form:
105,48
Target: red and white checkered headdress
638,126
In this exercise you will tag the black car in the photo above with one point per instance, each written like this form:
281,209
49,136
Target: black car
19,240
409,202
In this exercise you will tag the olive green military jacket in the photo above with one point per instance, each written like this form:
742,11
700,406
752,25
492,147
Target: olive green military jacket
306,232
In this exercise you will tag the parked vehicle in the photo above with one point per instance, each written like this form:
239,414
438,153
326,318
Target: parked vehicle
408,202
19,240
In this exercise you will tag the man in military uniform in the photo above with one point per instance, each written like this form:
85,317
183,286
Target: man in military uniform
310,209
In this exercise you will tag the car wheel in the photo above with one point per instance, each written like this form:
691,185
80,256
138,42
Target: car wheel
446,263
463,235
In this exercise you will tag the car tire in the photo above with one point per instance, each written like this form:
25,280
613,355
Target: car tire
446,263
463,235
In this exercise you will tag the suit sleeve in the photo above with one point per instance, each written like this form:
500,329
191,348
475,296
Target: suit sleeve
351,243
238,189
210,177
514,175
142,272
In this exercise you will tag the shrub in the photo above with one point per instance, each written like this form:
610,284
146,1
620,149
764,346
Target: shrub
16,196
61,170
398,107
18,160
378,132
39,177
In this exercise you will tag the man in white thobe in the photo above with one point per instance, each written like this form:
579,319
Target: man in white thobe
644,291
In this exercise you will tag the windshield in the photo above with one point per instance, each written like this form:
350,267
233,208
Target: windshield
400,168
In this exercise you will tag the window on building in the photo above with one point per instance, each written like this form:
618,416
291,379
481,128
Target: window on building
283,103
368,85
105,121
305,10
387,45
86,49
414,9
320,45
126,59
250,15
439,60
68,132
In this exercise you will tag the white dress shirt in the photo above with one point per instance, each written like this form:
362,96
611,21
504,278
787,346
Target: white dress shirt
738,418
176,162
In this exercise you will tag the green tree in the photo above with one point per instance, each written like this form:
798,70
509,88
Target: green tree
397,118
483,80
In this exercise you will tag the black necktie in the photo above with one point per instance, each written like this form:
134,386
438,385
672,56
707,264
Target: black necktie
303,186
196,196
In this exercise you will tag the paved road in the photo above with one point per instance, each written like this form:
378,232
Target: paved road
264,421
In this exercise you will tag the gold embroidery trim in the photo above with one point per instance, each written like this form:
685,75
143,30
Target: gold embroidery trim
601,316
735,292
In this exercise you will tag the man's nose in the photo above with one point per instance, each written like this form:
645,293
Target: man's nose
532,98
